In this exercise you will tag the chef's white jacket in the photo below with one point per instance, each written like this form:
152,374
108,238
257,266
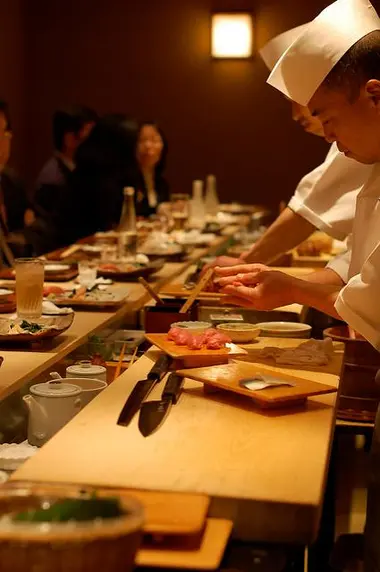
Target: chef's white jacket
358,302
326,196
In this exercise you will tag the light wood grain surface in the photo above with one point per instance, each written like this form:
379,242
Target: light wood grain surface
264,471
24,364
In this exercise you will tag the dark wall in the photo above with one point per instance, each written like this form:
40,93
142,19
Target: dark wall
151,59
12,72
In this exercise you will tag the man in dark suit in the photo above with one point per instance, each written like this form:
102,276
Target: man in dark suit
70,127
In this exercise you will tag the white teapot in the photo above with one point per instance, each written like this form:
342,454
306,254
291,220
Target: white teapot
51,405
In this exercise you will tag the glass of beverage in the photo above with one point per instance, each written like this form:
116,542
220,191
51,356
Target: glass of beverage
30,274
180,209
87,271
127,245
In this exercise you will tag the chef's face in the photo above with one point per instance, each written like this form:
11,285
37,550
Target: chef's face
353,123
303,117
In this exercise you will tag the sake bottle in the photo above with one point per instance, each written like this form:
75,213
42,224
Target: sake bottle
197,218
211,198
127,226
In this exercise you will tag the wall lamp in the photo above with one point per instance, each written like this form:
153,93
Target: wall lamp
231,35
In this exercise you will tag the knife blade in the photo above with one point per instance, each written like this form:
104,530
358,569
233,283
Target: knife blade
142,390
153,413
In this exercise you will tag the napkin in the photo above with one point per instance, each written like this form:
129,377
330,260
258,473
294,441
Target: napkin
50,309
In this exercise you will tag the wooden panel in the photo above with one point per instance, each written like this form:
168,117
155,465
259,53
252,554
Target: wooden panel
206,556
227,377
264,470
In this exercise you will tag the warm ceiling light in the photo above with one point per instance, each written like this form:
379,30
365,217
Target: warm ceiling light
231,35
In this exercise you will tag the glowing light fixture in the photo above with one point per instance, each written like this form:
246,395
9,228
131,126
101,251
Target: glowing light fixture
231,35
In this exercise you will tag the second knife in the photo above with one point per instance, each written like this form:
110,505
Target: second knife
153,413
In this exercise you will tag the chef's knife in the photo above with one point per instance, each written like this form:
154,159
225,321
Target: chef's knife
154,413
142,390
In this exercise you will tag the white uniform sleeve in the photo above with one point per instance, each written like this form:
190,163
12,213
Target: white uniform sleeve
358,301
326,197
341,263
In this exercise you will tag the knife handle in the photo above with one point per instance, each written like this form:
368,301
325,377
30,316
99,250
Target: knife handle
173,388
160,368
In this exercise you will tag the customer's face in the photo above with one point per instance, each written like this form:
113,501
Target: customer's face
5,141
149,147
354,123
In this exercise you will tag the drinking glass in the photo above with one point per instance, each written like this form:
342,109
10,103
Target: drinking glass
180,209
30,274
87,271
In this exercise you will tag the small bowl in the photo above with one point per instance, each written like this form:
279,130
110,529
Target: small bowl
193,327
284,329
239,333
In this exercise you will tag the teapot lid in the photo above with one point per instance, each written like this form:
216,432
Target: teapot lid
55,388
86,367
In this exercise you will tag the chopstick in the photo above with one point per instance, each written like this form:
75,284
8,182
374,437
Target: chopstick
150,290
71,250
120,362
191,299
133,356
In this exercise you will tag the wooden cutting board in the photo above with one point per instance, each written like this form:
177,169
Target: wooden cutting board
227,377
180,352
183,554
179,291
165,513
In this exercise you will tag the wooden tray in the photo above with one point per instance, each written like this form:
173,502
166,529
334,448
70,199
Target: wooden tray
180,352
64,276
207,555
8,304
143,271
227,377
166,513
179,291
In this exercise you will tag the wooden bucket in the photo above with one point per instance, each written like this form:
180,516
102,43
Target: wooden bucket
359,395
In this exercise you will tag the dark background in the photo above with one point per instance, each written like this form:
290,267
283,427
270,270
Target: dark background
150,58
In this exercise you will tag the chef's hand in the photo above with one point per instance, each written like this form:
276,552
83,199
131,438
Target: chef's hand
255,286
224,261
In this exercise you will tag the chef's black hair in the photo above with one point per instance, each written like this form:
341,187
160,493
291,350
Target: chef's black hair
358,65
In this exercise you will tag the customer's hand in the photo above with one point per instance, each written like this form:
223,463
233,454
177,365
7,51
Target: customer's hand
255,286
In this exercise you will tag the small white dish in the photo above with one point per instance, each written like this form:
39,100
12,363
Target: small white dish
56,267
50,309
5,292
284,329
193,327
239,332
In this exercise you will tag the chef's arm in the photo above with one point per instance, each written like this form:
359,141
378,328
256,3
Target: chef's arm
324,276
287,232
321,296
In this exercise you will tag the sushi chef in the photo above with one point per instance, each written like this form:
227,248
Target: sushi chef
324,199
334,69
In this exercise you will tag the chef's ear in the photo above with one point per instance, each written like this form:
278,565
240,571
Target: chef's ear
372,90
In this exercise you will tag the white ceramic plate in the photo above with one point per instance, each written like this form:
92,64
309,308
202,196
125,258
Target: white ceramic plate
56,267
284,329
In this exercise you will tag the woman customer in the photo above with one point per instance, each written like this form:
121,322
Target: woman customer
151,186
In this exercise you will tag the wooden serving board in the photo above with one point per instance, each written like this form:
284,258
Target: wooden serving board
165,513
207,554
227,377
64,276
181,352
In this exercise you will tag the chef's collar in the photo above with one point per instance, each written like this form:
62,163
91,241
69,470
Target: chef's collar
273,50
307,62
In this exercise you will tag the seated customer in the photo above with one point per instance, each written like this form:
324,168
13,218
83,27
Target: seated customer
15,212
70,127
105,164
151,187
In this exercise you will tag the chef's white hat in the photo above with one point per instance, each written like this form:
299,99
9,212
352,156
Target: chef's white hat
273,50
311,57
